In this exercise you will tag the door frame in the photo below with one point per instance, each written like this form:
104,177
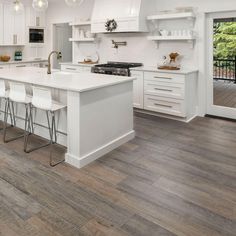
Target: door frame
212,109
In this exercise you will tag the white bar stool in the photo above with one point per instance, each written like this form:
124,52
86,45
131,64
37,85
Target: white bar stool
17,95
4,95
42,99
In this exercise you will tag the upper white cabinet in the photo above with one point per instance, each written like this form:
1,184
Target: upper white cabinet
13,27
1,24
34,18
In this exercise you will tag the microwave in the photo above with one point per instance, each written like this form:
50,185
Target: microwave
36,35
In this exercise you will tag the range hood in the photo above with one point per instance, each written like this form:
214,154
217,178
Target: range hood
114,16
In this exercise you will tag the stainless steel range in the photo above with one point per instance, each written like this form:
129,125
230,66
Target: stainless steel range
115,68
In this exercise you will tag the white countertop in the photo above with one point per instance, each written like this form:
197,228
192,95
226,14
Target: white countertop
79,82
30,60
154,69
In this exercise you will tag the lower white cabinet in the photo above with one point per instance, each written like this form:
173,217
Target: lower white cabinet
138,89
1,24
172,94
20,65
4,67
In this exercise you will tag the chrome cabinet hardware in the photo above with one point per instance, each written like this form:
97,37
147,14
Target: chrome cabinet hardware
21,66
14,39
158,77
68,68
162,105
165,90
37,21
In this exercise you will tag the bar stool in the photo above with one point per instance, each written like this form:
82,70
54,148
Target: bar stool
17,95
4,95
42,99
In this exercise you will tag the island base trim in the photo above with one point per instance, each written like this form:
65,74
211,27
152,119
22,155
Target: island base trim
80,162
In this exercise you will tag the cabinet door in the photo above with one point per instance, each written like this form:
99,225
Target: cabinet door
19,29
8,25
36,19
1,24
138,89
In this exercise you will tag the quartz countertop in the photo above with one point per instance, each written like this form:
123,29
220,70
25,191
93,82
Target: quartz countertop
154,69
78,82
29,60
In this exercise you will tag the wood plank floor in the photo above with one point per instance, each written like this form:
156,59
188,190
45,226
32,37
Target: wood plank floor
172,179
224,93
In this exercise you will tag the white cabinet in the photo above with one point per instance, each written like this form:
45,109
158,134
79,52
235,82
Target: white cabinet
170,93
4,67
34,18
138,89
75,68
19,65
13,27
1,24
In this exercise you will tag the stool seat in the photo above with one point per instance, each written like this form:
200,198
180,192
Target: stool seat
55,106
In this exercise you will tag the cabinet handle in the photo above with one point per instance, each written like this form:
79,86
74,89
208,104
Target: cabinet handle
37,21
166,90
14,39
162,105
70,68
158,77
21,66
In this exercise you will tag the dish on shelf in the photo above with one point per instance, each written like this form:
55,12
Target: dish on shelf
5,58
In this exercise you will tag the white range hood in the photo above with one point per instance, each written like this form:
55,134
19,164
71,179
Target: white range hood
129,15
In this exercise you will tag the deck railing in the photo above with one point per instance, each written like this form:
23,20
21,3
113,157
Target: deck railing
225,69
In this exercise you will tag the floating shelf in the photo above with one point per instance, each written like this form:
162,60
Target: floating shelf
80,23
172,38
181,15
188,39
82,39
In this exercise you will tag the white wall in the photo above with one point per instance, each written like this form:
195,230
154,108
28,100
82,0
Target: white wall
141,50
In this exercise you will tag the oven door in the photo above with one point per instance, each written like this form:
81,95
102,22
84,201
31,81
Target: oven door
36,35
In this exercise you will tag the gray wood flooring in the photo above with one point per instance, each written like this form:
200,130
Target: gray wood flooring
224,93
172,179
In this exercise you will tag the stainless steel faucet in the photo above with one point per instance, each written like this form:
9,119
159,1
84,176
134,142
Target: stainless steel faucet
59,56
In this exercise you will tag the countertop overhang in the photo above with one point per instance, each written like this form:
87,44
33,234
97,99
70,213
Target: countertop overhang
77,82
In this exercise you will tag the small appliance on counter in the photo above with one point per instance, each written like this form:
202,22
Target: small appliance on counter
115,68
18,56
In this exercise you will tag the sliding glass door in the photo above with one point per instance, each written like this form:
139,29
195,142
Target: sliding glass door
221,64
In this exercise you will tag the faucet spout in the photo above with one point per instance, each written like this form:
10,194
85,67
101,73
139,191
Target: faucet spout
59,56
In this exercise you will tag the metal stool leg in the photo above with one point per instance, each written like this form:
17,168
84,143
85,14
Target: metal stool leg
9,105
52,135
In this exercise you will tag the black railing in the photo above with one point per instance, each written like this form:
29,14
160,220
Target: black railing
225,69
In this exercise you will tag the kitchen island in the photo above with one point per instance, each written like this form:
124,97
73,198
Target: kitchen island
99,114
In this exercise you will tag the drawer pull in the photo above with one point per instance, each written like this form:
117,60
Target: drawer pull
21,66
162,105
70,69
166,90
158,77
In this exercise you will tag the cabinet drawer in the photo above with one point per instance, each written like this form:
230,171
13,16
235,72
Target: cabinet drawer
164,77
165,105
170,90
4,67
76,69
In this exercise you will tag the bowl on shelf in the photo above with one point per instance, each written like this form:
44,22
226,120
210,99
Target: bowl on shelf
5,58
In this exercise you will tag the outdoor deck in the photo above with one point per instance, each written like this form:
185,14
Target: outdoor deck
225,93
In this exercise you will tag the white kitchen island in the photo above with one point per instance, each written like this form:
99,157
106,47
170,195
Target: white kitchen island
99,114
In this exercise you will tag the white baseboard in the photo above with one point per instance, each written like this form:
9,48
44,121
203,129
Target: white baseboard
80,162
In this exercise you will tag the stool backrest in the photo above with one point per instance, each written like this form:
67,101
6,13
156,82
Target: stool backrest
17,92
2,88
42,98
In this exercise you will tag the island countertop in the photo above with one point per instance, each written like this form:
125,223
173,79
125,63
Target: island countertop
77,82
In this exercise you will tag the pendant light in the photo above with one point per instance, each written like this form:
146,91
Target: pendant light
40,5
18,7
72,3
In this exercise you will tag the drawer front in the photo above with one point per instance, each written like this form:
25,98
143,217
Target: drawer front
76,69
164,105
4,67
87,69
164,77
170,90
